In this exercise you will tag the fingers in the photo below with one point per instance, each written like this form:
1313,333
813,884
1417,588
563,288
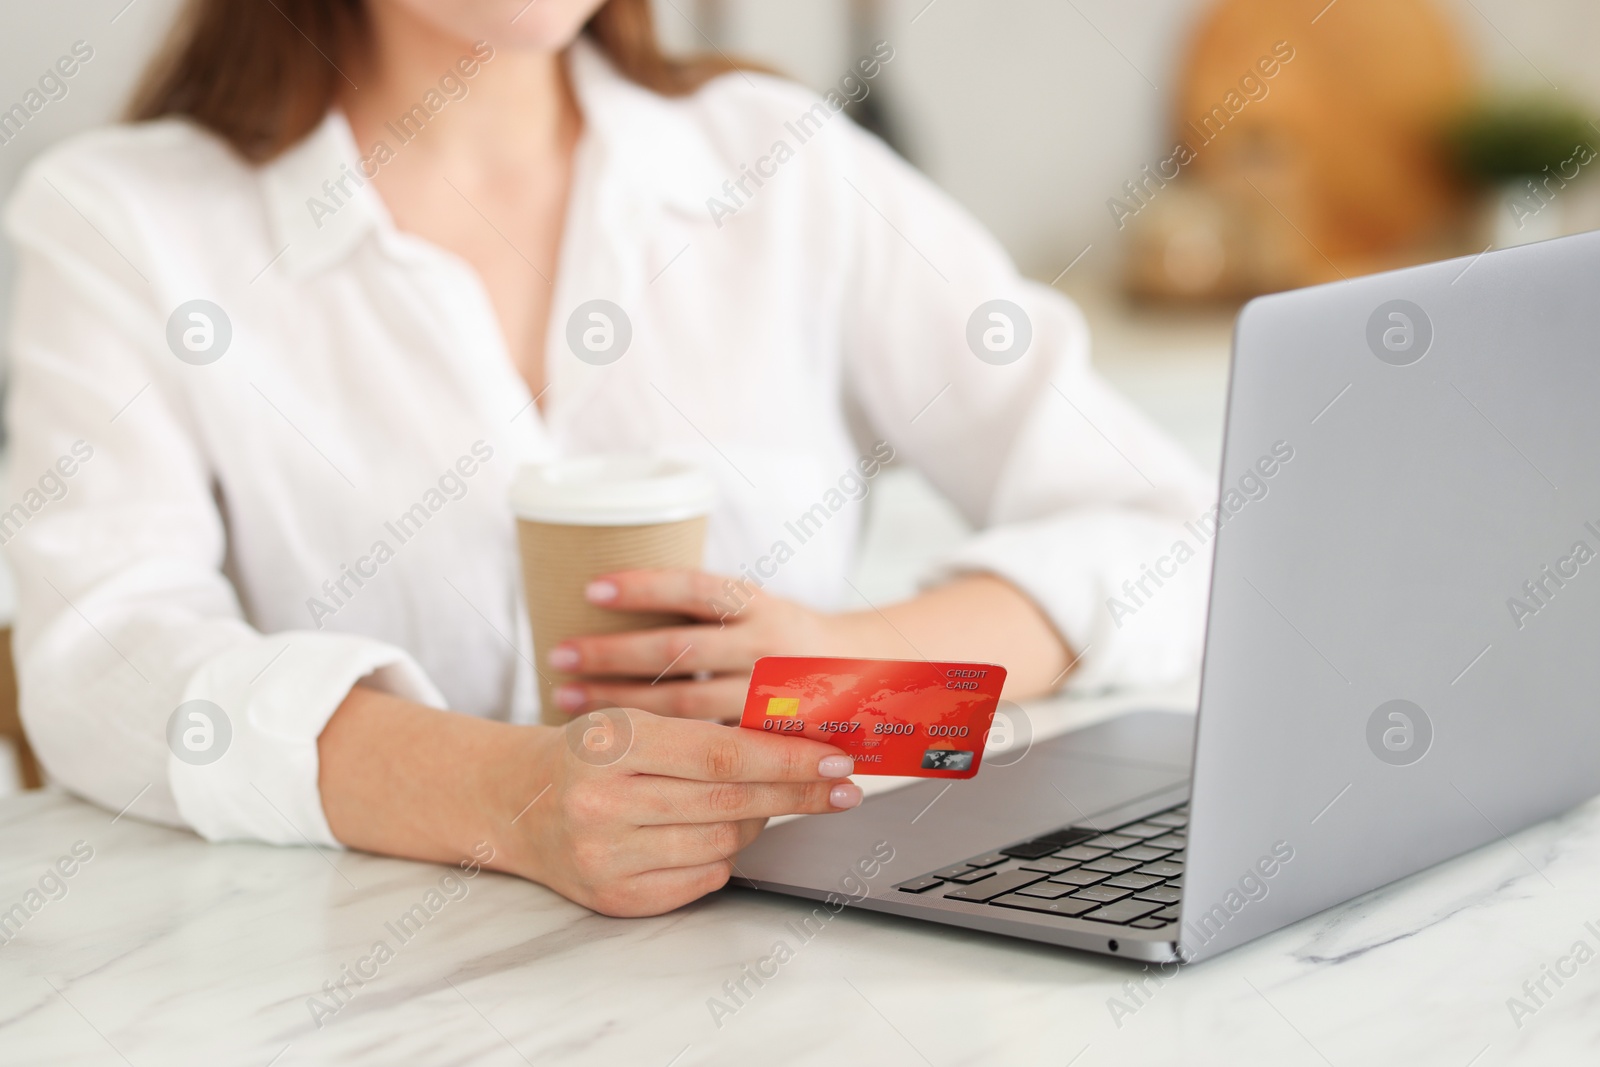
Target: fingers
707,752
671,651
665,801
684,592
657,892
693,845
613,877
658,826
719,700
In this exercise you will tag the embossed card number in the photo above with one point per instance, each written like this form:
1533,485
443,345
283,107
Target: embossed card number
903,717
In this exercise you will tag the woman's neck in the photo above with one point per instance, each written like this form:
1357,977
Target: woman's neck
515,111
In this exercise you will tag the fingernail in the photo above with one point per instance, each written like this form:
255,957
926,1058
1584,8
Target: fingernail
836,766
569,697
600,592
844,795
564,658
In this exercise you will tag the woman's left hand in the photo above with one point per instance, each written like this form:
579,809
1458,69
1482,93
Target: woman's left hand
699,670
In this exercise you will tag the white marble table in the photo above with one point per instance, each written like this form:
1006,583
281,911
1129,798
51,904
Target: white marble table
168,951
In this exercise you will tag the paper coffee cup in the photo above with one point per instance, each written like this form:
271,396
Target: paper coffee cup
581,518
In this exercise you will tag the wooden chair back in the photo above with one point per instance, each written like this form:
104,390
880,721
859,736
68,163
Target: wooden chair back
11,719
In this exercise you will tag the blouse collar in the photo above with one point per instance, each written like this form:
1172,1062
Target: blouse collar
648,148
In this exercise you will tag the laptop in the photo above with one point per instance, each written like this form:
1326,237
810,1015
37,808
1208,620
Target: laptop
1402,656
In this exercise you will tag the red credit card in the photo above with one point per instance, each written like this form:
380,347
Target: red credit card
911,717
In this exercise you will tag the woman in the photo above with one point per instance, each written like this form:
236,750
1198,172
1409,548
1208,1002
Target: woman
333,271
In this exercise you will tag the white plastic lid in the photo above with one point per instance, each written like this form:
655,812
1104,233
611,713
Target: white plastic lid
612,490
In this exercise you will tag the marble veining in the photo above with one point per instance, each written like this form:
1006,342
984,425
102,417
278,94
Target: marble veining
164,950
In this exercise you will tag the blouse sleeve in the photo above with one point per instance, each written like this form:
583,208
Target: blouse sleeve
125,617
981,379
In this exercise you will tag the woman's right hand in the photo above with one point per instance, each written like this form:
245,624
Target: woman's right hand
638,814
624,812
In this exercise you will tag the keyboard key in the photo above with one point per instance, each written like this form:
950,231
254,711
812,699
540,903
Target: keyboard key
1068,836
919,885
1161,894
1046,890
1112,842
1142,853
1112,865
991,859
950,871
976,874
1162,869
1078,877
1142,830
1167,914
1133,881
1173,841
1106,894
1045,844
997,886
1048,865
1168,818
1147,924
1082,853
1123,911
1065,906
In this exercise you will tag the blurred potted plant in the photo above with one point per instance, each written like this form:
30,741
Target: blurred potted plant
1527,151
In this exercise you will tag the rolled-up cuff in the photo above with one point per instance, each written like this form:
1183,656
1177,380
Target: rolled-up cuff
1126,591
272,697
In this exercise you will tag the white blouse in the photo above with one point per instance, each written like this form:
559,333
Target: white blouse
306,484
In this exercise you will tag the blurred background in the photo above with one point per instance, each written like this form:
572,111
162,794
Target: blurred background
1193,152
1160,161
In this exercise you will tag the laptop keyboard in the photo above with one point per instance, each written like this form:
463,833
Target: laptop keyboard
1131,876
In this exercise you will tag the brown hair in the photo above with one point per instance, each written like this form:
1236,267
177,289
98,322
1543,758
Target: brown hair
261,74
